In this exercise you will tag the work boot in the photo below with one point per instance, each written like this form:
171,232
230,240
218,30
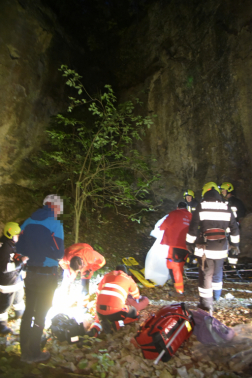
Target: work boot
106,326
177,295
92,333
207,309
35,340
43,356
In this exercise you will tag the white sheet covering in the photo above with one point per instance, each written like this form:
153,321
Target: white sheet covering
155,262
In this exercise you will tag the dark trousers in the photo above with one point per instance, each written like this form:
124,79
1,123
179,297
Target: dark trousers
39,290
210,281
129,312
11,299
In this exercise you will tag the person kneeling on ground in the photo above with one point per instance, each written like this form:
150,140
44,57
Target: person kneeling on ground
118,302
81,257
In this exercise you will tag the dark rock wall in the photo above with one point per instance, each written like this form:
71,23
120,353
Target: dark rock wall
32,48
191,64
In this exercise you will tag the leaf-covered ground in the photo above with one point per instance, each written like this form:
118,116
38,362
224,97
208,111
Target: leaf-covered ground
115,356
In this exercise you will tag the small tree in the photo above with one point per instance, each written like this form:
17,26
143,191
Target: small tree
99,160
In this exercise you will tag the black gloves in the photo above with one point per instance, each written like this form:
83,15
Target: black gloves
232,255
86,273
234,251
190,247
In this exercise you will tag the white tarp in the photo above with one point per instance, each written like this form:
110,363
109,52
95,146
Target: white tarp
155,262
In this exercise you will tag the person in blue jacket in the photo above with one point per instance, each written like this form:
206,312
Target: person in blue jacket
42,240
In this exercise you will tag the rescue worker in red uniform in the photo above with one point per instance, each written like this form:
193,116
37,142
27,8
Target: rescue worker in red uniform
81,257
212,217
175,228
115,290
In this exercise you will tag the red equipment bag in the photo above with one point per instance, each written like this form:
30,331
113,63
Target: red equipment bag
163,333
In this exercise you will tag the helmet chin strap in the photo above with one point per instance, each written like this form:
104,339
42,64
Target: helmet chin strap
15,238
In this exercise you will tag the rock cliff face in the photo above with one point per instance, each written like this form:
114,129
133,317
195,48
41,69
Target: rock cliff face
32,48
191,64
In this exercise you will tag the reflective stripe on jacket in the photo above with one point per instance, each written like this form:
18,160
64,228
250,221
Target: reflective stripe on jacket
114,288
237,207
212,213
10,267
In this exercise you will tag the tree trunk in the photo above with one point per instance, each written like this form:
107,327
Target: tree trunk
79,201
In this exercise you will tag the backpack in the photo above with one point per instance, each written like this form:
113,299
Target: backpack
209,330
64,328
163,333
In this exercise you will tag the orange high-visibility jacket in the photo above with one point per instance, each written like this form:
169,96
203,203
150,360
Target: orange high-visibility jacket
92,260
114,288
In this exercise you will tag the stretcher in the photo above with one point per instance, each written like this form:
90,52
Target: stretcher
239,273
138,274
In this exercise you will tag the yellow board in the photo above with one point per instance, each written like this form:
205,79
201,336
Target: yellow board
133,261
141,278
130,261
143,272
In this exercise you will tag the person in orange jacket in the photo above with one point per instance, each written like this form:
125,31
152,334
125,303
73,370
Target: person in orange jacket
118,302
81,257
175,228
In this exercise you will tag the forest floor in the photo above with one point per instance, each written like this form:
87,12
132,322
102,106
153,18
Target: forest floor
114,355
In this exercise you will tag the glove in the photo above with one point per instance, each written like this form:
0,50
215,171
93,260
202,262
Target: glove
234,251
86,273
232,255
190,247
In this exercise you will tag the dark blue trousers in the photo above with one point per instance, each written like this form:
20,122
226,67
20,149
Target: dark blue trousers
210,281
39,291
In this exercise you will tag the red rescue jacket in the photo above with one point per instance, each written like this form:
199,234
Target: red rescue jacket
92,260
114,288
175,228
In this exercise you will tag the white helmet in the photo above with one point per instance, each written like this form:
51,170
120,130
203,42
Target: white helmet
54,199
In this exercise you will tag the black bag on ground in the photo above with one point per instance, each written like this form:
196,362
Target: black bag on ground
65,328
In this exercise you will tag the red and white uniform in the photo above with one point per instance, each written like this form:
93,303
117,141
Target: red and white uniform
175,228
92,260
113,291
117,297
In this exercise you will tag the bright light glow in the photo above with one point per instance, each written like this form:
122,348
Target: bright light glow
69,301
